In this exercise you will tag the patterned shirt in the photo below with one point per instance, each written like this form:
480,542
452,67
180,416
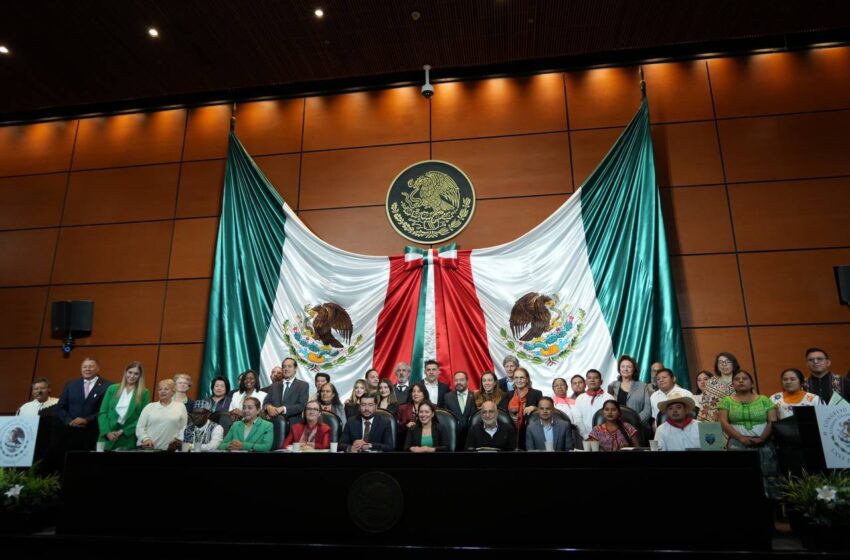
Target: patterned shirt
612,441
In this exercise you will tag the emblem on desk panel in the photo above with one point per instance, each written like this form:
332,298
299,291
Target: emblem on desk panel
430,202
544,330
375,502
320,338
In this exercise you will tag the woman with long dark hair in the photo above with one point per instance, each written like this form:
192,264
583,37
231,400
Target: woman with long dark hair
719,386
428,435
614,434
792,394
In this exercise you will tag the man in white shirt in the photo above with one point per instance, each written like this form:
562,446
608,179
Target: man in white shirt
436,389
41,399
666,385
589,402
679,431
201,432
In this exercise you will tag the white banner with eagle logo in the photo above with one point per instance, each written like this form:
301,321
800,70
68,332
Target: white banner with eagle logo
588,284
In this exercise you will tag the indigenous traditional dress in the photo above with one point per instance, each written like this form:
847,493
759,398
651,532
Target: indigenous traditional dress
785,402
716,389
612,441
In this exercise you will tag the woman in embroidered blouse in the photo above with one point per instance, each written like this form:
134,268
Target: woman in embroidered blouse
312,434
702,379
792,394
121,407
352,405
719,386
747,417
427,435
490,391
386,396
329,402
614,434
561,401
247,388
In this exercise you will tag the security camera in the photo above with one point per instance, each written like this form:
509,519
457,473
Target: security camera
427,90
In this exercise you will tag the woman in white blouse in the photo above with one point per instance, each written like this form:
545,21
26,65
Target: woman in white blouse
247,388
121,407
792,394
162,423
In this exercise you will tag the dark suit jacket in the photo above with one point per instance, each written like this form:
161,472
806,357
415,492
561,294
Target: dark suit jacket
503,383
531,398
442,389
72,403
294,401
463,416
402,396
438,434
504,438
562,436
380,434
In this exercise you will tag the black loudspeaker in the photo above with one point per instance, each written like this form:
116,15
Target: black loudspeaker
72,318
842,280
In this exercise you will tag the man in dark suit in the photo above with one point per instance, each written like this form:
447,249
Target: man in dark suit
461,404
367,432
79,406
436,389
548,432
289,396
490,433
402,385
510,363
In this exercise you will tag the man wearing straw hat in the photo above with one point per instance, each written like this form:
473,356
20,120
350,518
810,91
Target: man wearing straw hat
680,431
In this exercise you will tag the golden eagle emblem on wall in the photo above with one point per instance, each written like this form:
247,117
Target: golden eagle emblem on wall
320,338
543,329
430,202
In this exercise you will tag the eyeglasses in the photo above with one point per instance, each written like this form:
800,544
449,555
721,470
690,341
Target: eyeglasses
724,362
816,360
313,409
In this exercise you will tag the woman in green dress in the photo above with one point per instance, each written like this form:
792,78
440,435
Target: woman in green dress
122,404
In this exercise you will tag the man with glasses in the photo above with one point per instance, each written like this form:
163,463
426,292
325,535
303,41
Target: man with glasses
368,432
822,382
490,434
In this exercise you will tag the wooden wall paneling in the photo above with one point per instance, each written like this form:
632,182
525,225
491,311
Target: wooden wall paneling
703,346
785,147
364,230
697,220
513,165
22,310
36,148
603,97
182,358
121,195
270,127
186,308
589,148
361,177
201,184
26,256
708,290
32,201
112,253
788,287
366,118
791,214
16,368
677,91
686,154
283,173
124,313
498,106
207,132
134,139
498,221
193,249
789,82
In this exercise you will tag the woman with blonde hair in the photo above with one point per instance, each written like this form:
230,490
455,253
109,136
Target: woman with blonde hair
182,384
352,403
121,407
161,423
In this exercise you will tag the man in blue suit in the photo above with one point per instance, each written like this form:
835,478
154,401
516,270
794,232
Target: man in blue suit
367,432
79,405
548,429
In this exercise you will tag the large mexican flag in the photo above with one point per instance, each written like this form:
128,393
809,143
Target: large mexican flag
588,284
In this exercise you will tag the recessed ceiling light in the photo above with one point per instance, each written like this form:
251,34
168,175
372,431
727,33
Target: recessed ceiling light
153,32
3,49
319,12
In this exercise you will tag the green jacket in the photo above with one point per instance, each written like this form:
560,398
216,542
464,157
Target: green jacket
259,438
107,420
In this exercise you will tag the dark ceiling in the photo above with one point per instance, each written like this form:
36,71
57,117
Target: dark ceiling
75,56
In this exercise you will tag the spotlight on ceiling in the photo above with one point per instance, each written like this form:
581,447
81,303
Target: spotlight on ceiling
4,49
319,12
153,32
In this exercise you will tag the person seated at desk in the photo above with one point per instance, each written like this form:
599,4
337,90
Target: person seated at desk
202,433
547,431
679,432
313,433
614,434
490,433
161,424
252,433
367,432
428,435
